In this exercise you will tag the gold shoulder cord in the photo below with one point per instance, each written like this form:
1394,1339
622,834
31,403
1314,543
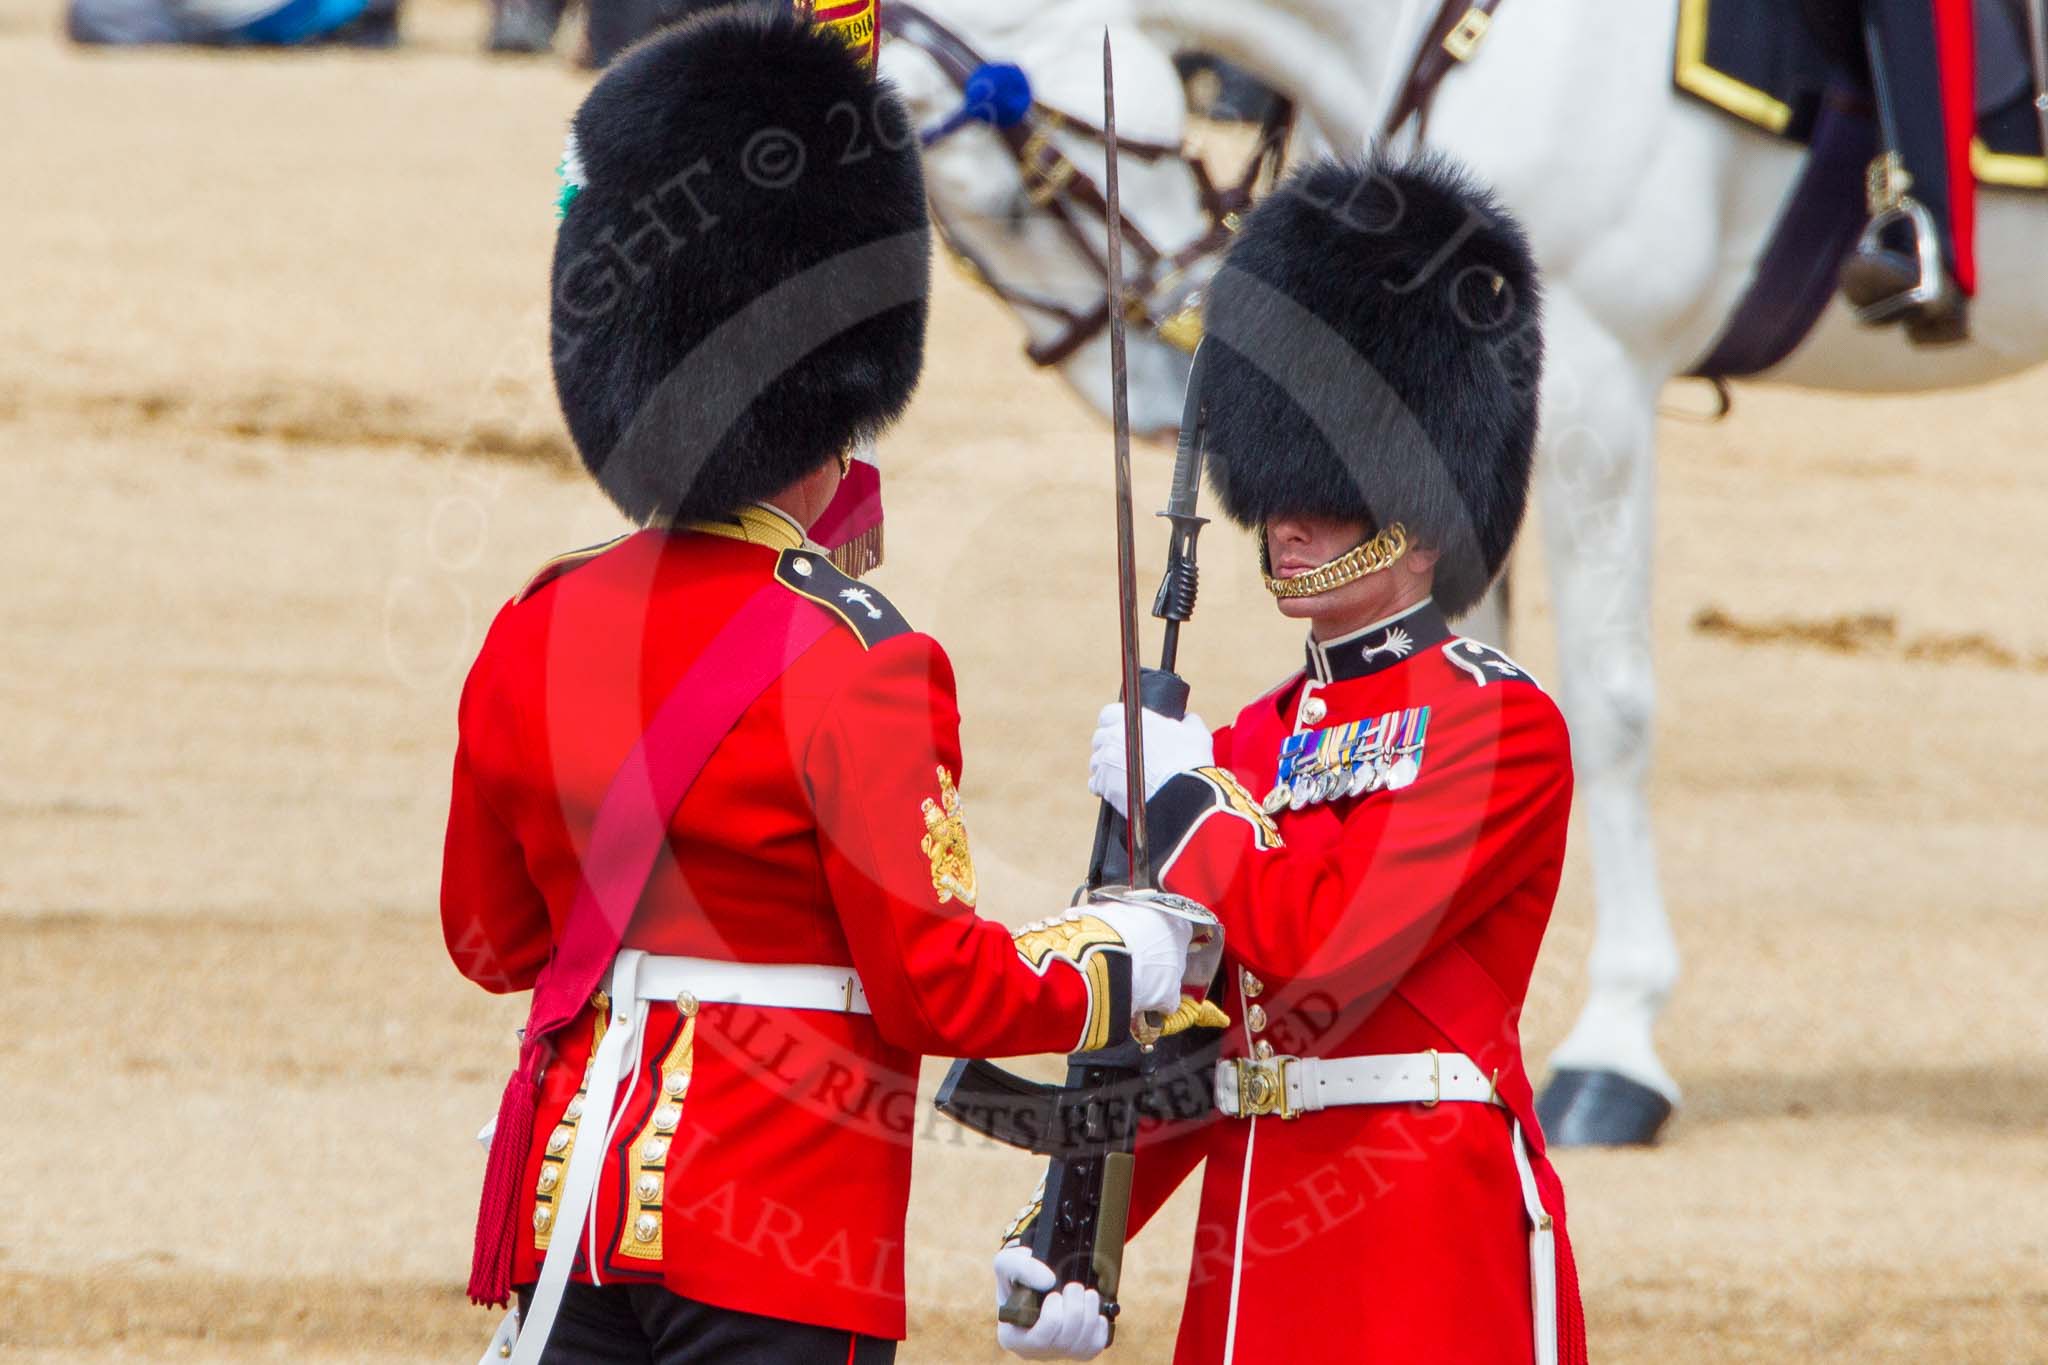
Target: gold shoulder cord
1374,555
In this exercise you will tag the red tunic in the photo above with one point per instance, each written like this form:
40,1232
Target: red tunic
824,829
1386,1232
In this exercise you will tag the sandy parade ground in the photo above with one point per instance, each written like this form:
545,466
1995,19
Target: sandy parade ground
277,436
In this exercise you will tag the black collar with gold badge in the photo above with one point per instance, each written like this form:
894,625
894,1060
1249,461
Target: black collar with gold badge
1379,646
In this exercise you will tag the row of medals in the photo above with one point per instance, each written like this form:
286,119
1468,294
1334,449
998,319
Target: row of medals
1322,765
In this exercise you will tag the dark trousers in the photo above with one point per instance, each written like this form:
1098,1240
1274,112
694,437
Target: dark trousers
1906,67
643,1324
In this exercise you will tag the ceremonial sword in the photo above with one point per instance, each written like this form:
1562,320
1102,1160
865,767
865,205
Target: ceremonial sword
1088,1126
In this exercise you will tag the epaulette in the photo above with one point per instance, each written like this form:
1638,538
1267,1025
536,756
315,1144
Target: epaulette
1484,664
865,611
561,564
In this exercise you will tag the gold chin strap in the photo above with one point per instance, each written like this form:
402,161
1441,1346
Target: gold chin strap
1378,553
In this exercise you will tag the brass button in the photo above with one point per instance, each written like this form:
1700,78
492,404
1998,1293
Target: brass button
574,1111
1251,985
665,1118
645,1227
687,1004
1264,1051
1313,710
647,1189
542,1216
654,1151
558,1141
675,1085
505,1351
550,1176
1256,1017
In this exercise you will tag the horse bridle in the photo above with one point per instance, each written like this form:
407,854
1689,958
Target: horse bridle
1072,197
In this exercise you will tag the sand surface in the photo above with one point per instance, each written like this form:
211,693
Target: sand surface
276,437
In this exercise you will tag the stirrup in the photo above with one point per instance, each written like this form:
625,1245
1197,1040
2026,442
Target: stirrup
1884,284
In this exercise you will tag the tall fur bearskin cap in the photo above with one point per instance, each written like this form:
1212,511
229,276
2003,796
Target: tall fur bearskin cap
1374,349
743,268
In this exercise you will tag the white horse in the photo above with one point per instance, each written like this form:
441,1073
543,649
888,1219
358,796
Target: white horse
1648,213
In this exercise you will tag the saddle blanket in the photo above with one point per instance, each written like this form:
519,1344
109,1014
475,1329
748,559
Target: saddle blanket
1773,64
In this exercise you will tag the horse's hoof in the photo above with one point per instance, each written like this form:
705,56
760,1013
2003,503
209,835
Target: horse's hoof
1600,1109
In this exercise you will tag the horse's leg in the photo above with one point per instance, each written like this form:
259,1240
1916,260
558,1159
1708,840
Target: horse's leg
1595,483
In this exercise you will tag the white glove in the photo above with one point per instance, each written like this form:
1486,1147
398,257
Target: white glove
1171,746
1159,952
1070,1324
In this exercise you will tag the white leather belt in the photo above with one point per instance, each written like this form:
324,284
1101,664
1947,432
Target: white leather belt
1287,1087
1248,1087
638,978
787,986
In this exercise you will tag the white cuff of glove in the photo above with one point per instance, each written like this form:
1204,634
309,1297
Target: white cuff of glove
1070,1324
1171,746
1159,953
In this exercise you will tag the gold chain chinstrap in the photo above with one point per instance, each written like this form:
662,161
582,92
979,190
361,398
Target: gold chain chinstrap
1374,555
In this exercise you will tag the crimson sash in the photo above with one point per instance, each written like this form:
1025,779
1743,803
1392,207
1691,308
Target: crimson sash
769,633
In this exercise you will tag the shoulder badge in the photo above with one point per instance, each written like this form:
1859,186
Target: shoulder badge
1484,664
865,611
561,564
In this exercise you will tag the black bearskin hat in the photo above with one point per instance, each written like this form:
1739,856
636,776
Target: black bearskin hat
1373,352
743,269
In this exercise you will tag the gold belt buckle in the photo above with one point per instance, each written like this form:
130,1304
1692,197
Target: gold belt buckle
1464,38
1262,1087
1436,1080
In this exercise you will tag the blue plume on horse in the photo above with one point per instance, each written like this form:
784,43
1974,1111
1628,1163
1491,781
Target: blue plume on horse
998,94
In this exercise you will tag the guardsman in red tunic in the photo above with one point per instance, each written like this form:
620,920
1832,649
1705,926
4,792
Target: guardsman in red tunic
1382,833
705,1155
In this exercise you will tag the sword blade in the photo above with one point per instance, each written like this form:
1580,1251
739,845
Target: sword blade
1137,845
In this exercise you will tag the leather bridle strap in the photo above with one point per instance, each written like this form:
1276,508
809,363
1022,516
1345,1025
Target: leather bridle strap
1450,40
1072,197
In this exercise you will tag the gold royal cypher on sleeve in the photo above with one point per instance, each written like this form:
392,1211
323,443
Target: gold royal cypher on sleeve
945,843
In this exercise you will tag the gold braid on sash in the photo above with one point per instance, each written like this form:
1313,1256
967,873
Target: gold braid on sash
1378,553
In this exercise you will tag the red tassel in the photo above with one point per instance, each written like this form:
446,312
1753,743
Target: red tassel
1571,1312
490,1266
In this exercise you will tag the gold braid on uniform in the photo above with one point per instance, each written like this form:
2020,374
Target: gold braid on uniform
1374,555
756,525
1193,1013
